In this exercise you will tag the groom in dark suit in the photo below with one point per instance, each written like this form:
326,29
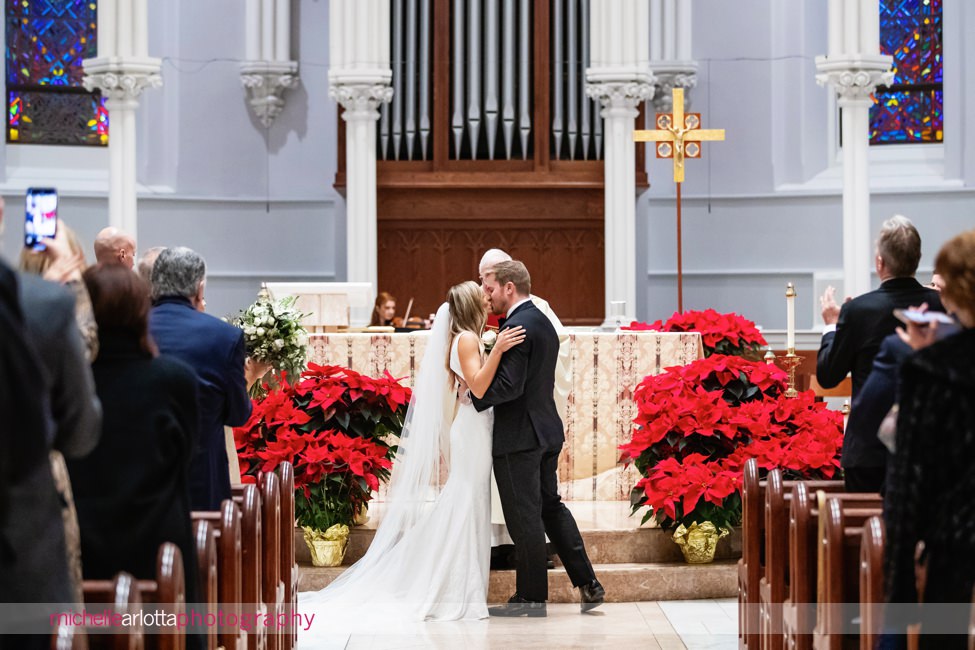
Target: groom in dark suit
528,438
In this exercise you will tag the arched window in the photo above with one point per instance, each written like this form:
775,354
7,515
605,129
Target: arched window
911,109
46,103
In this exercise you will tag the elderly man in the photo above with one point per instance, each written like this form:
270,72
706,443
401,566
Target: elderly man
853,335
146,262
215,350
112,246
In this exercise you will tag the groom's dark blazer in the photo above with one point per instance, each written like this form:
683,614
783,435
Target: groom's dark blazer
522,392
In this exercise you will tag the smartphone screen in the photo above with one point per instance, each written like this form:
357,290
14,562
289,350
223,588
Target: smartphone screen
41,220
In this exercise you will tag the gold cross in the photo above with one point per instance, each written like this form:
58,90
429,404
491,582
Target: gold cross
680,141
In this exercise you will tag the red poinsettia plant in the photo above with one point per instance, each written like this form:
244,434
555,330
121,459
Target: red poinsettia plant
698,424
335,427
721,333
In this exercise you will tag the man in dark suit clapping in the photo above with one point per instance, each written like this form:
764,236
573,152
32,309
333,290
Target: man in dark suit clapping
528,438
215,351
853,335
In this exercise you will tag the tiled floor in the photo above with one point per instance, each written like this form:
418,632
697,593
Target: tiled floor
670,625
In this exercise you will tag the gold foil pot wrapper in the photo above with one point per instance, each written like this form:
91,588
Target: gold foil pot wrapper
699,541
327,547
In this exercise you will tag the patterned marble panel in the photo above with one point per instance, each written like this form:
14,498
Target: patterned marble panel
605,368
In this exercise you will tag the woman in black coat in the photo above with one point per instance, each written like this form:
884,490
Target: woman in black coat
931,490
132,491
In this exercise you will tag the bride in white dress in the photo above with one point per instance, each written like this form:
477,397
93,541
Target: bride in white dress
430,557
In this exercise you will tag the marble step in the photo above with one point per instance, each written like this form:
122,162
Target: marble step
624,582
633,546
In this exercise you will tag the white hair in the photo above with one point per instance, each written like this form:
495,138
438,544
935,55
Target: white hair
492,258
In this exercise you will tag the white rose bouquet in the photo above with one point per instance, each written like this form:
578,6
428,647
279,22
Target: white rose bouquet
273,334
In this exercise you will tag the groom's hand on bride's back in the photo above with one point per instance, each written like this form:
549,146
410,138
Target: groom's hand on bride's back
463,392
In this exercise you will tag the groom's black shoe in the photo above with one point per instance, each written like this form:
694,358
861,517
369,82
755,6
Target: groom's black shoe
593,595
518,606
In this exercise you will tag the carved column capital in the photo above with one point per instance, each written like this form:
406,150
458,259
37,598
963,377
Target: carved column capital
122,80
854,78
620,98
361,101
668,76
265,83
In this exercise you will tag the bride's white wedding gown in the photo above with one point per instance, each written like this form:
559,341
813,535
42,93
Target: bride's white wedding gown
439,568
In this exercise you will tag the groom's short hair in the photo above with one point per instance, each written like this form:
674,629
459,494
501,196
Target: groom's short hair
514,272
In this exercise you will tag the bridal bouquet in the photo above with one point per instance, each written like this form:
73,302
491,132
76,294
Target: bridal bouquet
721,333
698,424
335,426
273,334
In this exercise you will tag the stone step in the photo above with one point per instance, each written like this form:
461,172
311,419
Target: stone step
633,546
624,582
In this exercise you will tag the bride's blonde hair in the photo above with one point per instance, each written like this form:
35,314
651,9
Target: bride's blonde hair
467,312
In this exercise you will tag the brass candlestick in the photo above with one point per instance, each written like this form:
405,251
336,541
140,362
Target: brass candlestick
790,362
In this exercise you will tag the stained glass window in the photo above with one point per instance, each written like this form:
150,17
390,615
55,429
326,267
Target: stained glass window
46,103
911,109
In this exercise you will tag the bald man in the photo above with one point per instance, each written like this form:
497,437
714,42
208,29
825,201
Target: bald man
112,246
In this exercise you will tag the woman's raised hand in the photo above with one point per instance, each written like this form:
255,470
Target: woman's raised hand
509,338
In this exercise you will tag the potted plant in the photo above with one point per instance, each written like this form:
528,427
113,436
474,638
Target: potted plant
729,334
337,427
696,427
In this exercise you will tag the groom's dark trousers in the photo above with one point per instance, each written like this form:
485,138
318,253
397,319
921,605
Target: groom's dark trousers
528,438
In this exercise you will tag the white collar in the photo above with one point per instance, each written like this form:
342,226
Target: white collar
516,305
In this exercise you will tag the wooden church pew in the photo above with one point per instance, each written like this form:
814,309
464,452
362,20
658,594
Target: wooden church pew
838,593
207,576
750,565
798,609
289,567
248,499
271,586
121,595
169,588
872,582
226,524
774,581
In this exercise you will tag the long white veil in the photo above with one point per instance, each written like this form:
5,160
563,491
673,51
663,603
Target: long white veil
414,483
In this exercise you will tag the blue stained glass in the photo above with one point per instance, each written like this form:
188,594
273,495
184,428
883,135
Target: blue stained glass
912,108
907,116
46,42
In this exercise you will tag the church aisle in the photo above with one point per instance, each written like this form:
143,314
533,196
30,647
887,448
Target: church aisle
664,625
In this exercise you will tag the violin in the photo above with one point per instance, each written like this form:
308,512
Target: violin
412,323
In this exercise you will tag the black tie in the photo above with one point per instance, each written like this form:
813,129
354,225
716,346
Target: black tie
501,321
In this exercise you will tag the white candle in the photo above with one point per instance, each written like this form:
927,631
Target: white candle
106,28
790,327
282,27
835,28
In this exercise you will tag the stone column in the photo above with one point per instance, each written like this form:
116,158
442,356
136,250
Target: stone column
361,104
121,71
360,79
670,52
619,78
854,68
268,69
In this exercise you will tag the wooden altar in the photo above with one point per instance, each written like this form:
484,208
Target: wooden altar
605,368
